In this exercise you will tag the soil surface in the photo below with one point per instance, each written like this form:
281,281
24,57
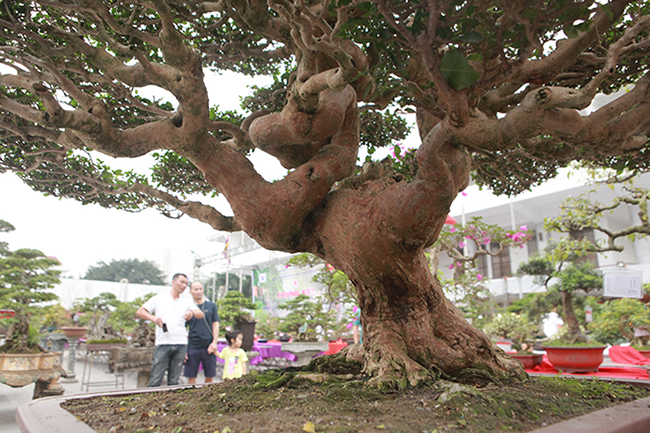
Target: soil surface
292,401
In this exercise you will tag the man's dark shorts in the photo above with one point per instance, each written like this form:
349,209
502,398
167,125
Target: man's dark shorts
196,357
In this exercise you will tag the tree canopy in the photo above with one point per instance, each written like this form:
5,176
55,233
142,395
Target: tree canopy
498,89
134,270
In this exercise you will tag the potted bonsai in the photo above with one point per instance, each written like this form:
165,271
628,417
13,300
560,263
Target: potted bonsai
234,311
624,320
26,275
573,352
516,329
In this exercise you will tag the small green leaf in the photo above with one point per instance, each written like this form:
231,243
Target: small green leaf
571,32
455,69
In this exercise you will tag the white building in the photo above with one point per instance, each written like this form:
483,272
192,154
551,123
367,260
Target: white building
531,212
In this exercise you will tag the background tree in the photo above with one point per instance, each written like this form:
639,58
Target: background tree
307,320
99,309
616,321
233,308
26,275
134,270
567,281
581,213
5,227
498,88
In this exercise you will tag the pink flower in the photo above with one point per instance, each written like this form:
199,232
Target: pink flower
451,266
479,276
355,309
459,264
523,228
464,193
462,244
486,241
452,229
349,325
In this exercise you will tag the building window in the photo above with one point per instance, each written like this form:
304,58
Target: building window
591,237
500,263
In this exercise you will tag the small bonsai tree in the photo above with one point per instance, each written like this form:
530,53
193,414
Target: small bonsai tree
550,273
618,319
514,327
307,320
26,275
101,309
233,308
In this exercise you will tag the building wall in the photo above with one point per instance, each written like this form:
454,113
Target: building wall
532,213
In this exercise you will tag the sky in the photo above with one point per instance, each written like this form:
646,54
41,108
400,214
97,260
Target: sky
80,236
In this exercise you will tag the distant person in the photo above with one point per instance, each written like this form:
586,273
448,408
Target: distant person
233,356
203,336
552,323
169,312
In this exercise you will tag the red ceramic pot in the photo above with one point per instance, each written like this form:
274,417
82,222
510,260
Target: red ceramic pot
575,359
529,361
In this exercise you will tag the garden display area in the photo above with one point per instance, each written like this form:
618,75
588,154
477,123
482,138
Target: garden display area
292,401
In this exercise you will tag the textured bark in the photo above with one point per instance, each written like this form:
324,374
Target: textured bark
573,327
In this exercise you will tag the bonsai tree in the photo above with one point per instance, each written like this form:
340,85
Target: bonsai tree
26,275
566,281
307,320
465,245
100,309
618,319
497,87
233,309
514,327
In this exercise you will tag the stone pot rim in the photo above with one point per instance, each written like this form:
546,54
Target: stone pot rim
45,415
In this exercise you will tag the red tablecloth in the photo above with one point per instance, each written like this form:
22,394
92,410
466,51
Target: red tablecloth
335,347
627,355
615,372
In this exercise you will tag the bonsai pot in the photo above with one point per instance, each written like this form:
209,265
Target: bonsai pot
247,330
74,332
575,359
645,353
21,369
529,360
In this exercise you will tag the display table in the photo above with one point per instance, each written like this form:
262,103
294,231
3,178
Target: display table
91,351
268,355
305,351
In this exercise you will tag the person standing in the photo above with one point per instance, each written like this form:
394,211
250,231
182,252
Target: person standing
203,337
169,312
233,356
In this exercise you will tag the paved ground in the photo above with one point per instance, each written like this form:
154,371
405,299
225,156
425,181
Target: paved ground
10,398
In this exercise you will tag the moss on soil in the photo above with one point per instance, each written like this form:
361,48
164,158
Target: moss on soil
287,400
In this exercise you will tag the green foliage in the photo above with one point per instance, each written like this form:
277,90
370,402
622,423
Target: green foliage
616,321
26,276
458,73
340,294
512,326
134,270
232,308
481,239
4,228
307,320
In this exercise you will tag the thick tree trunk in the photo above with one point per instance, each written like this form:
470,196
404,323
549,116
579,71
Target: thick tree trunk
411,331
573,327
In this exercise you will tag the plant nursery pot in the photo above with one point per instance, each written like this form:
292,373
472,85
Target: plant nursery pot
575,359
529,361
645,353
74,331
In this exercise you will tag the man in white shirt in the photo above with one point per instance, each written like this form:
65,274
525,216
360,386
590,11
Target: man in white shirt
169,312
